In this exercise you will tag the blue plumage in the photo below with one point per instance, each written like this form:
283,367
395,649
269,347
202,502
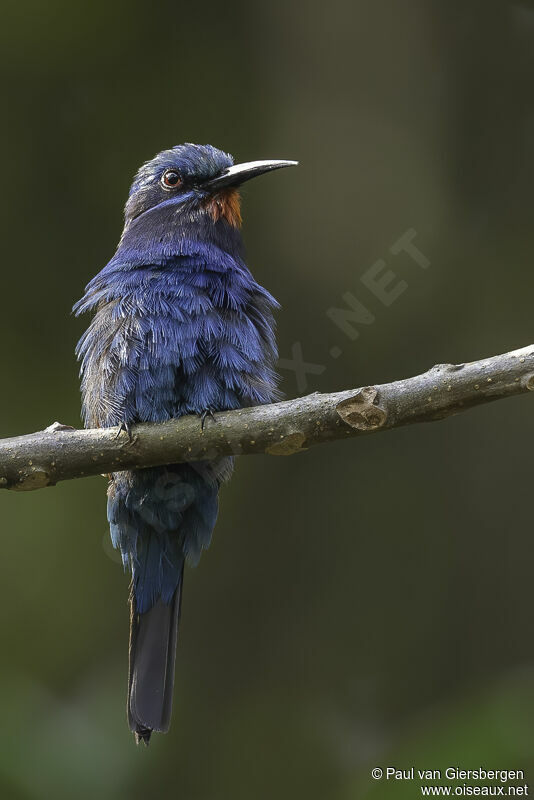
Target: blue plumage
181,327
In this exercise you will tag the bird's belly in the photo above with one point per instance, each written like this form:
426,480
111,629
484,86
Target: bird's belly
167,348
171,370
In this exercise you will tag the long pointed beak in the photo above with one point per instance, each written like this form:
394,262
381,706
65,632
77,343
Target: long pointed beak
239,173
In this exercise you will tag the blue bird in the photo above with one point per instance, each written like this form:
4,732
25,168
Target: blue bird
181,327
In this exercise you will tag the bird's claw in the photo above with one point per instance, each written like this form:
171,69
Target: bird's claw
208,412
126,428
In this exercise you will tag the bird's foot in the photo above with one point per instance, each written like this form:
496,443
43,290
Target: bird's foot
125,427
208,412
58,426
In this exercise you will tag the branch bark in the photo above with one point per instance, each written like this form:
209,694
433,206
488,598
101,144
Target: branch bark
44,458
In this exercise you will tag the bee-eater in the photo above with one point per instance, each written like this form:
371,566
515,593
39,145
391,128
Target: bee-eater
181,327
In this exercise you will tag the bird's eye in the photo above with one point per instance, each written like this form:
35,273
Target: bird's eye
171,179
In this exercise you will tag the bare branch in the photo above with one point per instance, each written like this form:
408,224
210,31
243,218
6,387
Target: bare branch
60,453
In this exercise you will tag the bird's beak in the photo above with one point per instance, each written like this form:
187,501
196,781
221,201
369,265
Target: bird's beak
239,173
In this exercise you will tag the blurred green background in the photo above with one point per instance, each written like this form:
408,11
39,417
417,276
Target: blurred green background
368,603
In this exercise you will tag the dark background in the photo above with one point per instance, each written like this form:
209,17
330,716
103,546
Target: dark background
368,603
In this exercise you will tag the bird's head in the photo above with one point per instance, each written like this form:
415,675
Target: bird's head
192,182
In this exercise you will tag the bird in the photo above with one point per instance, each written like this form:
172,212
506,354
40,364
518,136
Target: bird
180,326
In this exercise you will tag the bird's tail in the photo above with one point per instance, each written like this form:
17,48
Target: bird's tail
153,638
159,518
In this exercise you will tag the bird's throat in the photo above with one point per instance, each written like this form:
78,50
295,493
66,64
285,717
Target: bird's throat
226,205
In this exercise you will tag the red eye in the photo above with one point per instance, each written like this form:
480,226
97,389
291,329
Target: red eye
171,179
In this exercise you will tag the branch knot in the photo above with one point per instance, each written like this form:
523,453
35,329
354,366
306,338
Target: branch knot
362,411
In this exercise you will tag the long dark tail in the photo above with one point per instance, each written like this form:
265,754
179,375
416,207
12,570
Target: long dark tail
153,638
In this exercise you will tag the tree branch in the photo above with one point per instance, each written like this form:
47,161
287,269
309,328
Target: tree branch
42,459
